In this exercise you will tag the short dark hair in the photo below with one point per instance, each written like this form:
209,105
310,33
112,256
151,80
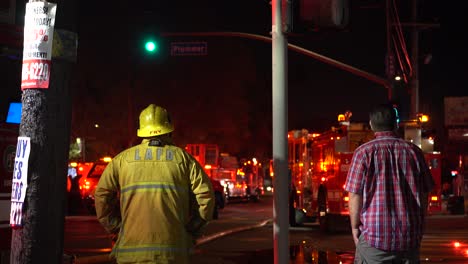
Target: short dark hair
383,118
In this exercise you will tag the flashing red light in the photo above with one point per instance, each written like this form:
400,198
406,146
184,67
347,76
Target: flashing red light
456,244
323,179
15,226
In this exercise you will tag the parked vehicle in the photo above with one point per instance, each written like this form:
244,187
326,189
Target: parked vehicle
219,197
83,184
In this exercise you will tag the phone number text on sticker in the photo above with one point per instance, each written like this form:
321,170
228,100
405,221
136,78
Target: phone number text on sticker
36,74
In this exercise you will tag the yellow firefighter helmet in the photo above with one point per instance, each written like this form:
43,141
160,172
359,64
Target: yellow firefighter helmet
154,121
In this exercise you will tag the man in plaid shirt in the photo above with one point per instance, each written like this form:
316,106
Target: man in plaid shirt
388,184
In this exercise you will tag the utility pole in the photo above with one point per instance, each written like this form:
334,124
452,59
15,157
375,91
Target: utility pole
390,58
280,132
414,109
45,120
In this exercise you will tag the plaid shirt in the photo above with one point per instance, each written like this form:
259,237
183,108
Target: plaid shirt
390,174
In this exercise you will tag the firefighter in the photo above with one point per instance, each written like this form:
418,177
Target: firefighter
154,197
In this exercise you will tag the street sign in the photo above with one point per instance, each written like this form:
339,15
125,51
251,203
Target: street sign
189,48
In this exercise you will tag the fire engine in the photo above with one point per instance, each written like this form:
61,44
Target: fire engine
208,155
239,182
319,164
8,139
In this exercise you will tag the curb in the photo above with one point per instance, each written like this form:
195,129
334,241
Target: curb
104,258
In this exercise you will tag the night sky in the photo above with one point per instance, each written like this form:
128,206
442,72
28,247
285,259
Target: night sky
225,96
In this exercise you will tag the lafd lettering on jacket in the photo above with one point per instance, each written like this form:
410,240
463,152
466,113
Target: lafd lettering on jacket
159,154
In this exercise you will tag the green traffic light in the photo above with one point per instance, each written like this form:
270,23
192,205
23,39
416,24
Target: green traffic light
151,46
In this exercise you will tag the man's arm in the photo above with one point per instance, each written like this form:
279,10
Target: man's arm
107,201
355,206
203,196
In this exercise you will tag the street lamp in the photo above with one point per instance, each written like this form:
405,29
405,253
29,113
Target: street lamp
422,118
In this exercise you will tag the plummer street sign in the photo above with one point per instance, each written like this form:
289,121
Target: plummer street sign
189,48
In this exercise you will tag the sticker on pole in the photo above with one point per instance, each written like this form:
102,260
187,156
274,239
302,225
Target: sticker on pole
19,183
37,51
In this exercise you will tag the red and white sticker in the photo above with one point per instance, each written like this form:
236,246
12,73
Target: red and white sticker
36,74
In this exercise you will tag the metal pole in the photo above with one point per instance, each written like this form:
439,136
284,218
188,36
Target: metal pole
280,132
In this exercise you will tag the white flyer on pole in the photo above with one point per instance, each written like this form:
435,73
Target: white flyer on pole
39,24
20,180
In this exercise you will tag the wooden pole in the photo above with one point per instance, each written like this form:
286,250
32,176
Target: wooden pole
45,119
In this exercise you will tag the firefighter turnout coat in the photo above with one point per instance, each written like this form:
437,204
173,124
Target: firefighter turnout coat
149,196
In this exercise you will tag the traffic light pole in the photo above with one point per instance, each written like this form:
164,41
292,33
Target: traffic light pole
337,64
280,133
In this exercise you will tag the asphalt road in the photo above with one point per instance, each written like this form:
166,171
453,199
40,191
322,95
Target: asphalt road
244,234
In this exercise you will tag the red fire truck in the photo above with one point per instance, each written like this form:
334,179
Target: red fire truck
239,182
8,139
208,156
319,164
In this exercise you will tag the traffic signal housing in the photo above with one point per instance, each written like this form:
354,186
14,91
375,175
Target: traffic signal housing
310,15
